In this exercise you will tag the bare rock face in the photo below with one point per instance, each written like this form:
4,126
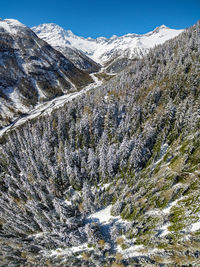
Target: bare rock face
31,71
79,59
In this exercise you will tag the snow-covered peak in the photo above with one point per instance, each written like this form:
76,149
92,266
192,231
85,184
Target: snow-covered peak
55,33
103,49
11,26
162,27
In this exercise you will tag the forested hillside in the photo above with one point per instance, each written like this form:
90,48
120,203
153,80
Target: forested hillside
131,146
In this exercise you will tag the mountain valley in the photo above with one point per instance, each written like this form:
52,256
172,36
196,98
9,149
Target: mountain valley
103,169
31,71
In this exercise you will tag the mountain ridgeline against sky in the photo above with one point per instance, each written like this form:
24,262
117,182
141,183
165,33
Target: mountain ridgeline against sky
31,71
111,177
106,50
37,68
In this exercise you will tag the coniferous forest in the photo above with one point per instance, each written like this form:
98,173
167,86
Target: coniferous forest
131,147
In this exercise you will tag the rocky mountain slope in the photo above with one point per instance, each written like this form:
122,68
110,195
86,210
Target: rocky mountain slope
116,51
112,177
57,38
31,71
79,59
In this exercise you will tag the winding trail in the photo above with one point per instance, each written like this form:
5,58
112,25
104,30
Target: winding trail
47,107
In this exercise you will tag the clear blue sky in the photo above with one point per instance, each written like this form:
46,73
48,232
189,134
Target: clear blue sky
104,17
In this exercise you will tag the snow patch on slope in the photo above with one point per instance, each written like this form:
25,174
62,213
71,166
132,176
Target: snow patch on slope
15,97
103,216
11,26
166,211
195,226
48,107
69,251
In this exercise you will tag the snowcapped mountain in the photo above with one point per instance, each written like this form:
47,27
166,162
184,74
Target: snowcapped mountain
31,71
57,37
103,50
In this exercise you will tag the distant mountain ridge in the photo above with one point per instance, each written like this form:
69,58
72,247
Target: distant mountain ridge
40,64
103,50
59,41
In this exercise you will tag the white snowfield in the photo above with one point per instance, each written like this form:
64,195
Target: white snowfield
47,107
103,49
103,215
68,251
195,226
